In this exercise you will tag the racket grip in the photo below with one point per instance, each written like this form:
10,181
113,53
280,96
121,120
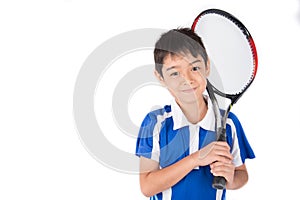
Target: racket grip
221,134
219,183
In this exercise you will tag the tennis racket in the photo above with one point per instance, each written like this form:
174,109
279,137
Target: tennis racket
233,59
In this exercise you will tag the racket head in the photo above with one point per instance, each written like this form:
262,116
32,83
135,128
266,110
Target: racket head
232,52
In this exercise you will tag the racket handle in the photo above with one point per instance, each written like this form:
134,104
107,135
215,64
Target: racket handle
222,134
219,182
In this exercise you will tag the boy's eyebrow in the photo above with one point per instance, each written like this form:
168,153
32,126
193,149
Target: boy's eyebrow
169,68
195,61
173,67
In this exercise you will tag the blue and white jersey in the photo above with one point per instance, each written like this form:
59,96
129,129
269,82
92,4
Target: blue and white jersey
166,136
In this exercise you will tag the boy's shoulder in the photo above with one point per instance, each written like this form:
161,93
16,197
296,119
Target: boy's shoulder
233,117
161,112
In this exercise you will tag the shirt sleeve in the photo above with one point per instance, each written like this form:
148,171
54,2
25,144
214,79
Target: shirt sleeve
240,147
147,142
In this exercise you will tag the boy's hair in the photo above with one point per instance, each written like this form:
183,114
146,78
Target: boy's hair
181,41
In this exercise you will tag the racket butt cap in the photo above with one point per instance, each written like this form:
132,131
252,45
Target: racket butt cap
219,183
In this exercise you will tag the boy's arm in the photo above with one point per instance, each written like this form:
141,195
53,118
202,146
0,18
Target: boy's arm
154,180
240,178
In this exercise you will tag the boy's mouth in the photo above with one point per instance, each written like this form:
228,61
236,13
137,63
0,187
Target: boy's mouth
189,90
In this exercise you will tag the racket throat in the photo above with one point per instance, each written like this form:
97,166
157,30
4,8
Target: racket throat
221,126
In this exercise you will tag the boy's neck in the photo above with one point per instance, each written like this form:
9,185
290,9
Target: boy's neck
194,112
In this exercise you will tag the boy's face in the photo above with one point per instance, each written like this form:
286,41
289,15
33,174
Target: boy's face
185,77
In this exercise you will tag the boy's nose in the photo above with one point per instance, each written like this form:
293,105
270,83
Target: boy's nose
188,79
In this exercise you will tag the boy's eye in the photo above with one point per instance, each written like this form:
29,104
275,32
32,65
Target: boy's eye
174,74
196,68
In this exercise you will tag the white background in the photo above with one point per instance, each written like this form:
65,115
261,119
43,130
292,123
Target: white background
43,45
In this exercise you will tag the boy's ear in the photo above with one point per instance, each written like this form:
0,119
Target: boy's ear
159,78
207,70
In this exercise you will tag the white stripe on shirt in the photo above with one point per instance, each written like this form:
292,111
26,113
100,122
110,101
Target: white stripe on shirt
219,194
237,160
194,139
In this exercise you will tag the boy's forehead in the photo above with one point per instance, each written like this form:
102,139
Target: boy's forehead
181,57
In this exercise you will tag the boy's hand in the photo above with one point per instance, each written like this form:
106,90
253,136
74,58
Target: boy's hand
217,155
213,152
223,169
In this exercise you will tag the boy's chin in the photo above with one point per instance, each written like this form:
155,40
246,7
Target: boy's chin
188,100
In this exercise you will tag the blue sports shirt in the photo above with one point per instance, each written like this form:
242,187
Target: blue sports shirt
166,136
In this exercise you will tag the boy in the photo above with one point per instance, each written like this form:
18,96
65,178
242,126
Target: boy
176,145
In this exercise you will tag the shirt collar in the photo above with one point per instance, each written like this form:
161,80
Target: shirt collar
179,119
